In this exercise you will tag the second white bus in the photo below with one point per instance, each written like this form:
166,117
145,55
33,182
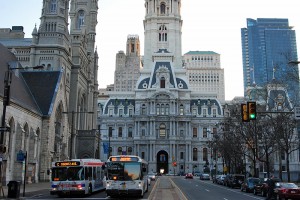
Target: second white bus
126,176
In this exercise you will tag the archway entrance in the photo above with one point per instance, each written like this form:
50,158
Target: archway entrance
162,162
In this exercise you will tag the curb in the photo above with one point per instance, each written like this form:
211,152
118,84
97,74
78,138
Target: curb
178,191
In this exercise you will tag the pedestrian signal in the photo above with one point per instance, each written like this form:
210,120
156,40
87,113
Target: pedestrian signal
252,110
244,112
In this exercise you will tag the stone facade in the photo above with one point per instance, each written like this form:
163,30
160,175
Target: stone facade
49,132
205,74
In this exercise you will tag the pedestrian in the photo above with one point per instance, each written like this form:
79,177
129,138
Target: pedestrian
271,187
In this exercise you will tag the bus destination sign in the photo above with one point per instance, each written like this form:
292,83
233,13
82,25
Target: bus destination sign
67,164
123,159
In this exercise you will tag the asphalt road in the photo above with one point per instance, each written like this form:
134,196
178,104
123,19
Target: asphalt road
45,194
196,189
192,189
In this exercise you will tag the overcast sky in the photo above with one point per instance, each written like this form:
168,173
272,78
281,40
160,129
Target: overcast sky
207,26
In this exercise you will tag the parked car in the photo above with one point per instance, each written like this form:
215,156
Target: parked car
204,177
262,187
249,183
215,178
152,176
226,180
189,175
287,191
220,180
236,180
197,174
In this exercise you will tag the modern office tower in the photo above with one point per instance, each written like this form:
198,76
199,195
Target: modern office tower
205,74
268,44
128,66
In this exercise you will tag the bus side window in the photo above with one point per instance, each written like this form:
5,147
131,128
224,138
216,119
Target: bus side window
87,172
94,173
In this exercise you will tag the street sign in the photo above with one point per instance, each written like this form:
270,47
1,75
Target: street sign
297,112
20,156
4,129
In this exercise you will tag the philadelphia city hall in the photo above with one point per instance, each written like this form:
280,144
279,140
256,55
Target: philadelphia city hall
152,110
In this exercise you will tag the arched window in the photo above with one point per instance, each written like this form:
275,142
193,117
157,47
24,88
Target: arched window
167,109
162,9
195,154
205,156
129,150
162,82
162,131
162,109
181,110
119,150
157,109
162,36
162,158
53,5
49,67
80,20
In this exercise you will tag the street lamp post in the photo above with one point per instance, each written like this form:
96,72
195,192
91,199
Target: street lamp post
72,130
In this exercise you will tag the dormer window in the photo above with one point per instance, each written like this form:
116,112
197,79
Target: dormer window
214,112
162,82
162,9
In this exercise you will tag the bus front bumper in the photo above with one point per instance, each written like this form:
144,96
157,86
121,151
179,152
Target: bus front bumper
67,192
131,192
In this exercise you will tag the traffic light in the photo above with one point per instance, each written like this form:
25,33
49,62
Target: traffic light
244,112
252,110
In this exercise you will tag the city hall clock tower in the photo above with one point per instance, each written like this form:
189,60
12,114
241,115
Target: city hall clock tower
162,27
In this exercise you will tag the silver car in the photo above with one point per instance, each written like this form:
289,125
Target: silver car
152,176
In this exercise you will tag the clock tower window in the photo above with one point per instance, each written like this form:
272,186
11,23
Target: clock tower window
162,33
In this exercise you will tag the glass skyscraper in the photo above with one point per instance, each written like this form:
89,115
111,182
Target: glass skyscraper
268,44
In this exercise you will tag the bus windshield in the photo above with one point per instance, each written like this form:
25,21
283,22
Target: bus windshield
67,174
124,171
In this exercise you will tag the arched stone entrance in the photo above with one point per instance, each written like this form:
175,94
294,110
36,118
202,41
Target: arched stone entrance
162,162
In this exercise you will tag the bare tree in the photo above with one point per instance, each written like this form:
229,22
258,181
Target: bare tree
286,136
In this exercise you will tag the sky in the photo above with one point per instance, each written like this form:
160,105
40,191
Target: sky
207,26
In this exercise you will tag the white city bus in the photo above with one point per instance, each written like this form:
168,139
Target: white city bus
126,176
76,176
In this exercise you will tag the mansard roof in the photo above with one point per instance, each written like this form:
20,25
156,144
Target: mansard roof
33,90
43,86
22,42
19,93
200,52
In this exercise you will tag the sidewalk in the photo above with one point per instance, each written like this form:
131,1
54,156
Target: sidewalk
165,189
30,187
